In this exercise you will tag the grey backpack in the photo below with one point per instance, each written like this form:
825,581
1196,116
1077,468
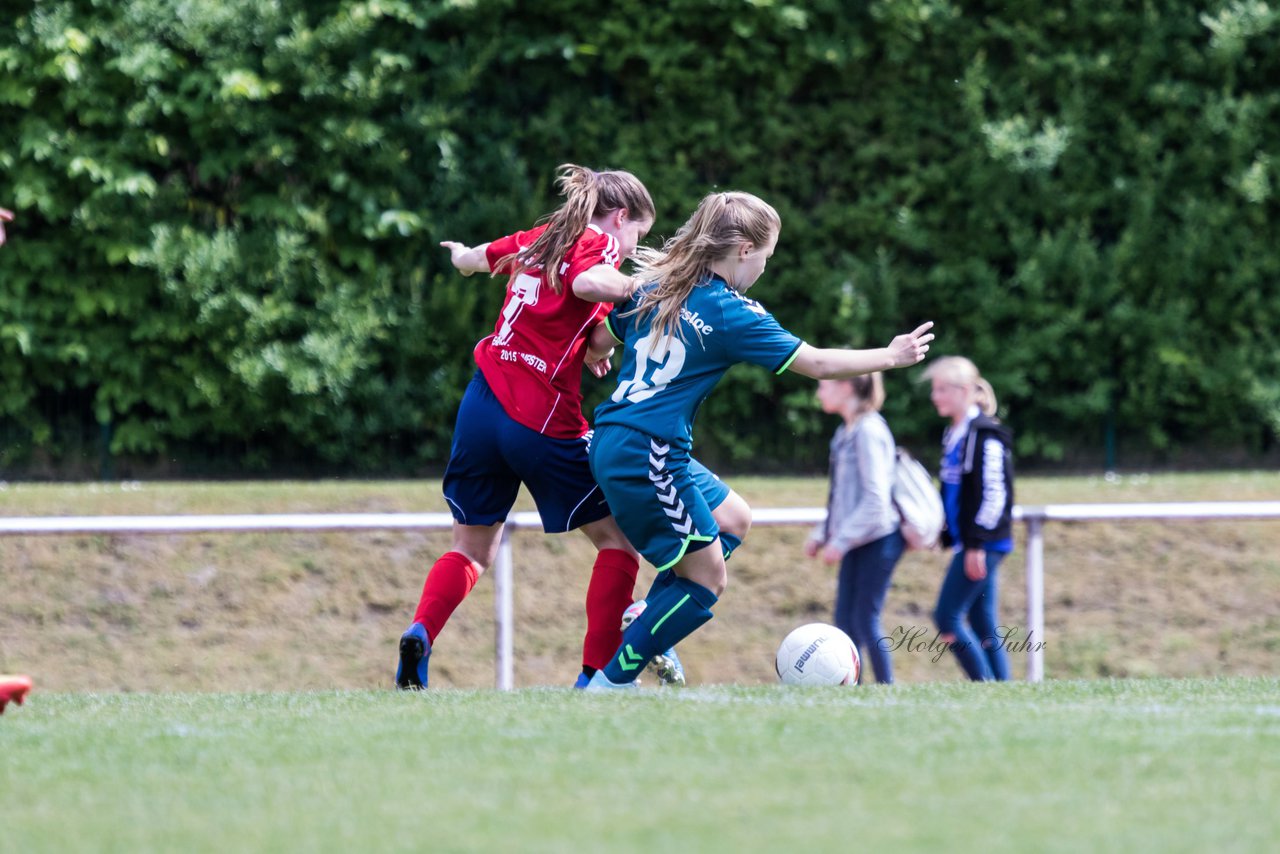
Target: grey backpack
919,505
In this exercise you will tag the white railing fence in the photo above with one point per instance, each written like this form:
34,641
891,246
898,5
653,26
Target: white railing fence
1034,517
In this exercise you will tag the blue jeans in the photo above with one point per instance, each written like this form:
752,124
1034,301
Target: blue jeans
865,573
977,645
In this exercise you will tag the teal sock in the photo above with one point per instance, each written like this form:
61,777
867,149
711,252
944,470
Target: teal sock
729,542
676,608
661,582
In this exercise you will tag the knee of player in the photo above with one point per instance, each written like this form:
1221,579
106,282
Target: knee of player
740,525
734,516
606,535
478,543
719,586
480,558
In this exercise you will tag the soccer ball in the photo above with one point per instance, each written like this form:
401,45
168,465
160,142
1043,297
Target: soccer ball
818,654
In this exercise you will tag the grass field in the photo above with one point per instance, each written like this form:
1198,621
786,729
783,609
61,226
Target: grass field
1103,765
131,743
280,612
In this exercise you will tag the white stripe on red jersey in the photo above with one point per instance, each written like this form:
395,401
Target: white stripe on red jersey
539,328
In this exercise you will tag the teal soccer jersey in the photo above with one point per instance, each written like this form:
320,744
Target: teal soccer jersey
660,388
644,431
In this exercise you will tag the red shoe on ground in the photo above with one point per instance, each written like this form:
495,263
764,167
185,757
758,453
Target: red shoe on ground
13,688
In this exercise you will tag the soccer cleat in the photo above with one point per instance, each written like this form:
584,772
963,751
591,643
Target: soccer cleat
600,682
415,651
667,666
13,688
633,612
668,669
584,680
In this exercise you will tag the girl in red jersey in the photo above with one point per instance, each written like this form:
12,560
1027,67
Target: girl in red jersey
521,421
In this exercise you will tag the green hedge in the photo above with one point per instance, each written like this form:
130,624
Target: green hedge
229,213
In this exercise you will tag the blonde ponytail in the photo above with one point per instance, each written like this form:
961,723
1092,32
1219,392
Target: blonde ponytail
722,222
957,370
985,396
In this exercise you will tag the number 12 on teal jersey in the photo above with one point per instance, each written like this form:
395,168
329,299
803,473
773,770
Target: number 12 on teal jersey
662,364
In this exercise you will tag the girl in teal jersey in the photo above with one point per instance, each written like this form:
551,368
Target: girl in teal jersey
688,324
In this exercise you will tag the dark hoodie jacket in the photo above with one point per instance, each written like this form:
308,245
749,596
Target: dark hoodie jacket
986,486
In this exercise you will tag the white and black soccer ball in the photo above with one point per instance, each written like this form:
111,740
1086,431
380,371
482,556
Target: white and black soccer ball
818,654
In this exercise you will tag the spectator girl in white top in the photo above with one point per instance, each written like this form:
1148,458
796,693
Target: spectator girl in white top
860,532
977,494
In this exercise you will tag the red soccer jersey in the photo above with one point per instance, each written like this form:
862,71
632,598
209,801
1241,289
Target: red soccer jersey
533,359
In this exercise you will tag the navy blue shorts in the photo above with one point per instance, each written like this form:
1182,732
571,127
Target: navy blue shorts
493,454
662,497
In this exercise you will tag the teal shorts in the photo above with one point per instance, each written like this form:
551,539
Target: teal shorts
661,497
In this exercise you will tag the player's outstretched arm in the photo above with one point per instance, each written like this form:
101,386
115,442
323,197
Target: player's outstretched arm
603,283
832,364
6,215
468,259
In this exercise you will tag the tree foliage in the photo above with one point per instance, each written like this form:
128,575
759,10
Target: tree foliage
229,213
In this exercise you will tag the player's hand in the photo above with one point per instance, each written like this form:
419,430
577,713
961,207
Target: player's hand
909,349
811,548
456,251
600,367
975,564
5,216
831,555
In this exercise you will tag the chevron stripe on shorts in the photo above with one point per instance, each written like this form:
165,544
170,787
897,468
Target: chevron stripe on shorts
664,486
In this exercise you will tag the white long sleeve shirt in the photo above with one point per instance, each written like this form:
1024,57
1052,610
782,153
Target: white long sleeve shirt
860,503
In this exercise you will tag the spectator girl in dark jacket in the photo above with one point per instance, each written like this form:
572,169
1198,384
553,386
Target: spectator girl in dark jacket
977,493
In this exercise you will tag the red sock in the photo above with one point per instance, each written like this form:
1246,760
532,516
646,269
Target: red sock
613,581
448,583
